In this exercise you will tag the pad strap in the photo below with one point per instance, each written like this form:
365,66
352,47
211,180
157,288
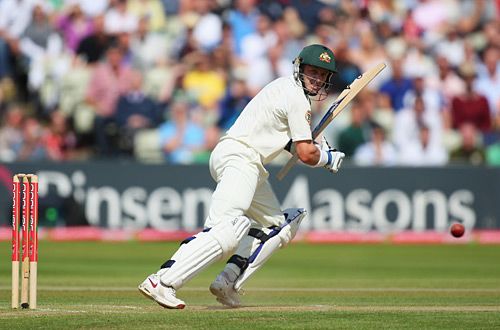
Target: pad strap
239,261
264,245
259,234
167,264
198,252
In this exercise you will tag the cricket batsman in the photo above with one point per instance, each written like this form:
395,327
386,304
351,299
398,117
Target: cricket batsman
245,221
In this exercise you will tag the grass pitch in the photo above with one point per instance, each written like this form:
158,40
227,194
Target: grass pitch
93,285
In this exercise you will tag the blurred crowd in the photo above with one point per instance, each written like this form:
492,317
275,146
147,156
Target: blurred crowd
161,80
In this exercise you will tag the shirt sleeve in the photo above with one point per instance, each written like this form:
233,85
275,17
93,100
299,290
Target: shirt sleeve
299,118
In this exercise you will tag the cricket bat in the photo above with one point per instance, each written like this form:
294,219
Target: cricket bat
347,95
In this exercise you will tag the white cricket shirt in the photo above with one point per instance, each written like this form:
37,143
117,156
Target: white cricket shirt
279,112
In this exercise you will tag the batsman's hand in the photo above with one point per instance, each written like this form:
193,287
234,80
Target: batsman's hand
336,160
335,157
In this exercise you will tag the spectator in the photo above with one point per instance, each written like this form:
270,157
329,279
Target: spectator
171,7
223,59
309,11
122,40
474,14
290,44
212,135
423,152
202,81
490,32
149,49
433,100
164,81
445,80
347,71
452,46
417,62
325,34
109,80
358,131
31,147
185,43
60,141
432,39
135,111
488,81
11,134
74,26
470,151
470,106
272,8
369,54
243,21
397,85
40,42
234,101
73,86
93,47
266,69
117,19
431,15
207,31
376,152
15,16
386,13
295,25
407,122
94,8
150,10
256,45
180,137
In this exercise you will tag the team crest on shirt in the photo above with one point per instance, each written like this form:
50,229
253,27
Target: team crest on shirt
308,117
324,57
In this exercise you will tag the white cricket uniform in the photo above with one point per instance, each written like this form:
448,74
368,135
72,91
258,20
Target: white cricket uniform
279,112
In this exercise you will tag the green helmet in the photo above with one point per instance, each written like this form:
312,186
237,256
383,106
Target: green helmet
318,55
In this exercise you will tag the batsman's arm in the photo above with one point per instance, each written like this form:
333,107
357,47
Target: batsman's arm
319,155
307,152
342,101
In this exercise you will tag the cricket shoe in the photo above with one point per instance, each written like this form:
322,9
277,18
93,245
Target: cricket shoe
163,295
223,289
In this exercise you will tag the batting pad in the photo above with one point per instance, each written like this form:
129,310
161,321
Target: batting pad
202,250
276,238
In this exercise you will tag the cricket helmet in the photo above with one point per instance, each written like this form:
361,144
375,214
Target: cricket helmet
318,56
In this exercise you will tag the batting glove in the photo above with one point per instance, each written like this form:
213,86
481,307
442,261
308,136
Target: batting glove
335,157
336,160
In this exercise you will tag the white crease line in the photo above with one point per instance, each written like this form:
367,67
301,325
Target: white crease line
283,289
117,309
86,309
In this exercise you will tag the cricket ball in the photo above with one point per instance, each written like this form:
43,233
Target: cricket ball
457,230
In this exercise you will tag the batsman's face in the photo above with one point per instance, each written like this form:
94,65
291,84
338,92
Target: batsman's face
314,78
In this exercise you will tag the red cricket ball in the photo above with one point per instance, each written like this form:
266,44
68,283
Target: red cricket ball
457,230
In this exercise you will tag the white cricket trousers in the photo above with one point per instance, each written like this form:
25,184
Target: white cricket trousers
242,186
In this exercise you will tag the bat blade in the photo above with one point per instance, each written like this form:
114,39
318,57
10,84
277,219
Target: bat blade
347,95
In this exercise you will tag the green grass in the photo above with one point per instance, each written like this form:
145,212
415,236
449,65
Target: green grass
93,285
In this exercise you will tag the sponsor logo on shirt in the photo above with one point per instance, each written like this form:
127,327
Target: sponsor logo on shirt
308,117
